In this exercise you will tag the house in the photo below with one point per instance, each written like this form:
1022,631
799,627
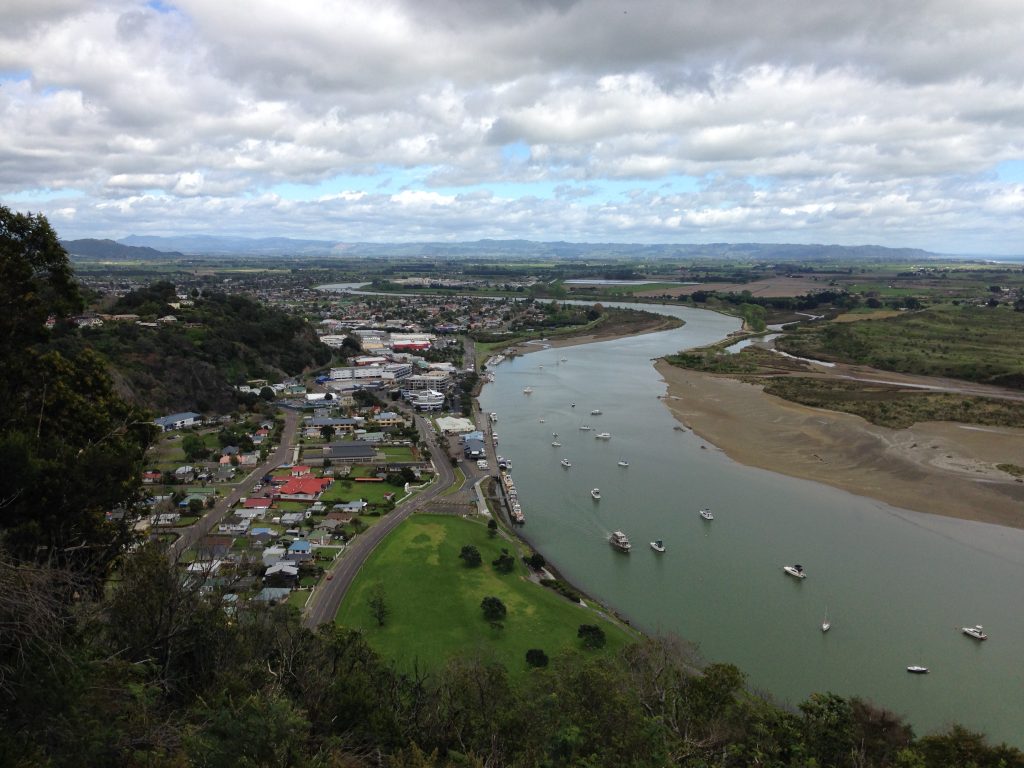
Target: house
292,518
257,502
185,473
273,555
273,594
151,476
214,546
338,518
300,550
389,419
300,470
282,567
303,488
354,507
178,421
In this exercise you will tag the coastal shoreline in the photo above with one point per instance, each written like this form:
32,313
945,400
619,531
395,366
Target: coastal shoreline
939,468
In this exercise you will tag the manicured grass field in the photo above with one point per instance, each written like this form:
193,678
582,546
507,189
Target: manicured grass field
434,600
371,493
397,452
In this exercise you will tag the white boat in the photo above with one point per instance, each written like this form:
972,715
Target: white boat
596,494
623,463
596,412
620,541
795,570
562,359
914,669
706,514
976,632
585,428
541,421
603,436
658,545
556,444
572,405
565,463
493,417
527,390
826,625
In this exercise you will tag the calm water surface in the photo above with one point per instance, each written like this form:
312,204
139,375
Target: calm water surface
897,585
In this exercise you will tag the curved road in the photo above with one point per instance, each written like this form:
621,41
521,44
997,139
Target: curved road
283,455
326,599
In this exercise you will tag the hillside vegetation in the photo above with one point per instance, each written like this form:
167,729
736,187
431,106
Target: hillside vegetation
193,363
963,342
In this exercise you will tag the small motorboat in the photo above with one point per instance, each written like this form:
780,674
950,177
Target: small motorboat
976,632
596,412
572,405
914,669
595,493
826,625
623,463
795,570
585,428
542,421
603,436
527,390
565,463
556,444
658,545
706,514
562,359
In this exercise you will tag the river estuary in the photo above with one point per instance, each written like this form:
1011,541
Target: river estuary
896,585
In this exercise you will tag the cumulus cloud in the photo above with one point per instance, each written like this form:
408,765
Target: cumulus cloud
562,119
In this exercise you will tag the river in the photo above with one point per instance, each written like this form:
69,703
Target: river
897,585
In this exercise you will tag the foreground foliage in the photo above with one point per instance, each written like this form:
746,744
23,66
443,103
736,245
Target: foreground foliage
158,673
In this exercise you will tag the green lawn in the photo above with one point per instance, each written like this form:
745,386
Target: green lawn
371,493
435,600
397,452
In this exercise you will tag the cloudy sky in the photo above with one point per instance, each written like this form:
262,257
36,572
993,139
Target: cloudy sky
897,123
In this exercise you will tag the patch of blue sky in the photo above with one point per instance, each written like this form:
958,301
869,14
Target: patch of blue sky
15,75
43,195
1011,171
161,7
516,152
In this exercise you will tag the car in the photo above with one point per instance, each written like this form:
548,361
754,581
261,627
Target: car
330,576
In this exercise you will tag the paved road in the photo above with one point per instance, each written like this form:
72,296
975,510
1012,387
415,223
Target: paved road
283,455
326,600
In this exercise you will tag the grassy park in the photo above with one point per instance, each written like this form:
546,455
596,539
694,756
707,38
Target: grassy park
434,600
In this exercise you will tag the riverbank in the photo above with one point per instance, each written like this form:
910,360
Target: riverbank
936,467
618,329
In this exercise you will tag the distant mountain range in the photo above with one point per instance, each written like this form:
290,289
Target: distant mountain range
153,247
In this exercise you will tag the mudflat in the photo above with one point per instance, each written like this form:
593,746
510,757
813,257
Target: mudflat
936,467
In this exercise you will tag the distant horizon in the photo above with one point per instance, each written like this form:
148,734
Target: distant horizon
127,240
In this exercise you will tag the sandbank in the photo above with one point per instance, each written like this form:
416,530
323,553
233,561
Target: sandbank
941,468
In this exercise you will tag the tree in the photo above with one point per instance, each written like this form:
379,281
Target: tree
494,610
492,527
536,561
194,447
327,432
591,635
504,563
535,657
267,393
471,556
378,604
195,506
